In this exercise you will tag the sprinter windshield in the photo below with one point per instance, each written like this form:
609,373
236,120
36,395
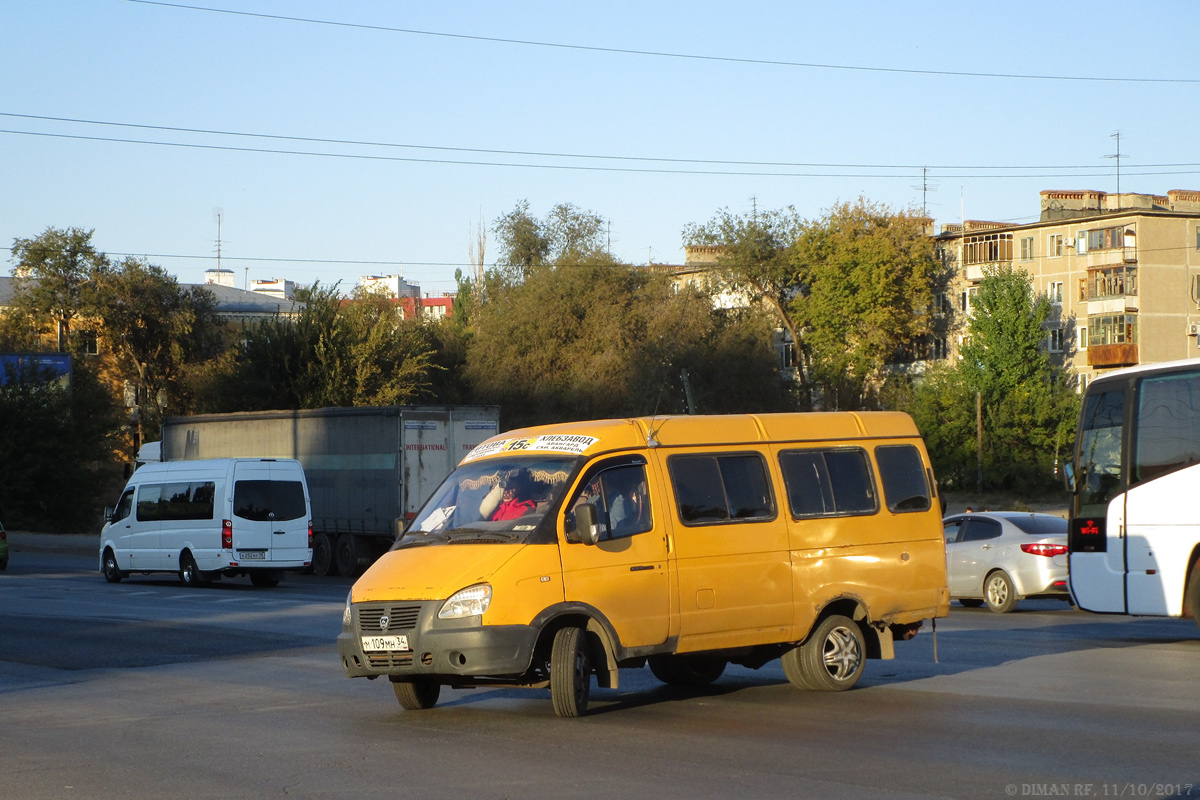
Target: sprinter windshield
500,499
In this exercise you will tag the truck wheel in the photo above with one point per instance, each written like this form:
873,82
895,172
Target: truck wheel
688,671
831,659
112,573
999,592
417,694
570,673
346,558
323,562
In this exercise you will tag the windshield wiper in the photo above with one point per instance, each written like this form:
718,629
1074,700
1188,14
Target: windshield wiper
475,536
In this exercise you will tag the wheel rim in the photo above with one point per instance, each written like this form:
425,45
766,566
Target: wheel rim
841,654
110,565
997,591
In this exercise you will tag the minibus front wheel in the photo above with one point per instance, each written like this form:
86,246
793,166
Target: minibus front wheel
831,659
570,673
416,694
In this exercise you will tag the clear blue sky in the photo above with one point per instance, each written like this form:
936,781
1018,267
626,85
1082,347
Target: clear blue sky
488,82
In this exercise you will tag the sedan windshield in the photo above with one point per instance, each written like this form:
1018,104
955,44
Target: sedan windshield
496,500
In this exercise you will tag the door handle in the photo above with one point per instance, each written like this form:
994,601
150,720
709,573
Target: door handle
279,533
641,568
985,547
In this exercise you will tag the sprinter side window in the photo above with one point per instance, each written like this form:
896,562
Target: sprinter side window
149,502
124,506
729,487
186,501
263,501
827,483
902,474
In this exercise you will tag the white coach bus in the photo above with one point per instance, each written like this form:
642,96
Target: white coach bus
1135,514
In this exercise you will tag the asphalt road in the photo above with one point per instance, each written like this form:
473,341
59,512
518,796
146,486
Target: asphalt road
146,689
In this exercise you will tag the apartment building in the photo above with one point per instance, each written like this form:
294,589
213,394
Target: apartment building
1122,272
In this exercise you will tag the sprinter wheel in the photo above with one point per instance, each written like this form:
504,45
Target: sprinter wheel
189,573
687,671
831,659
999,592
323,562
570,673
112,573
417,694
267,578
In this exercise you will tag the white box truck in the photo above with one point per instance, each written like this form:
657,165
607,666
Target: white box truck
369,469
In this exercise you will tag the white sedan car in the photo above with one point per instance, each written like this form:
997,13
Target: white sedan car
1001,557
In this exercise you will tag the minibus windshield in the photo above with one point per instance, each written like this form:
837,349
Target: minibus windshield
496,500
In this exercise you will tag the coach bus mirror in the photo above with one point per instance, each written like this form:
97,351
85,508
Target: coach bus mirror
1069,476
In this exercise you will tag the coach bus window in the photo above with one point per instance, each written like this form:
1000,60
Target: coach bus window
1100,449
1168,426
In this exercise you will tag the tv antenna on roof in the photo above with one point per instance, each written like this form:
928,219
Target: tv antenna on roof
217,214
1117,155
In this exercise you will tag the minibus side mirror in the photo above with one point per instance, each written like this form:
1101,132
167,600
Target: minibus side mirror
587,524
1069,476
108,513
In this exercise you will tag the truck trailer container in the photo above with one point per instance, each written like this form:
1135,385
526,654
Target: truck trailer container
369,469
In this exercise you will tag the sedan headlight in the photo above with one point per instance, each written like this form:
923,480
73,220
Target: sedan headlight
469,602
346,612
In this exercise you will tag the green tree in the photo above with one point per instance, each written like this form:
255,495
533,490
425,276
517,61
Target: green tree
55,441
62,264
157,332
866,276
336,352
583,341
1028,405
566,235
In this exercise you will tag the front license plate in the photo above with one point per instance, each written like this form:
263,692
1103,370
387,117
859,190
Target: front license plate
376,644
251,555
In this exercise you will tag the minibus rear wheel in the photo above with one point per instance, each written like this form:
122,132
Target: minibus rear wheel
831,659
570,673
189,573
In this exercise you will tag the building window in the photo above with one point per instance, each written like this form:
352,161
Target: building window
1054,292
1027,248
1083,381
1054,245
1112,329
988,248
1083,289
1112,282
966,299
1198,238
1055,340
1082,331
1116,238
91,344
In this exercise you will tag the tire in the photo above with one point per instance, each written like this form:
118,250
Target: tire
189,573
346,555
832,659
323,561
570,673
690,672
417,694
970,602
1191,597
108,565
999,592
266,579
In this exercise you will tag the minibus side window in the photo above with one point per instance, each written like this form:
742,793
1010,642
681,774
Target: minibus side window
903,477
824,483
149,502
187,501
721,488
622,499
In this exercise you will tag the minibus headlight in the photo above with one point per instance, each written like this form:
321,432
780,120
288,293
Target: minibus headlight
470,602
346,612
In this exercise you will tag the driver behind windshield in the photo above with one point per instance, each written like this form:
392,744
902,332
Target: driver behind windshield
510,498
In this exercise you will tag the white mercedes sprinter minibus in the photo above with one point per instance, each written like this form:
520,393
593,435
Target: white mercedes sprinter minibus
206,519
